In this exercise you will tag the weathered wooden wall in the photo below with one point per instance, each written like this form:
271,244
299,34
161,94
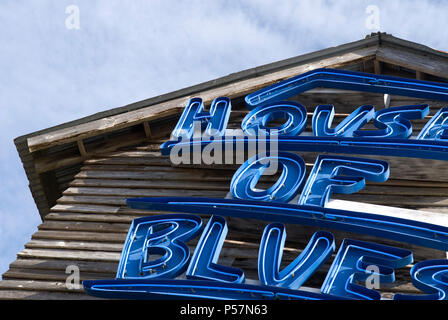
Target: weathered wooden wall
88,225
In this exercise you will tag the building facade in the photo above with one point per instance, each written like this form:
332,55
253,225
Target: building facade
81,173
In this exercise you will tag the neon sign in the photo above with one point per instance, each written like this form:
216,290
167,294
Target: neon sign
292,199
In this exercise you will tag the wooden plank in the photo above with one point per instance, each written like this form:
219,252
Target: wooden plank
175,106
168,168
55,161
416,169
72,216
74,245
46,275
107,268
420,75
39,295
84,226
82,149
155,184
99,209
408,190
32,285
79,236
414,183
147,129
128,161
104,125
192,175
82,208
128,192
131,154
377,66
102,256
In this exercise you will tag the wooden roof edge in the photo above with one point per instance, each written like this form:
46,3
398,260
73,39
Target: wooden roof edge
173,102
158,110
388,39
374,39
233,77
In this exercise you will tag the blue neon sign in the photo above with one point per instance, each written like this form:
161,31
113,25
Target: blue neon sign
156,252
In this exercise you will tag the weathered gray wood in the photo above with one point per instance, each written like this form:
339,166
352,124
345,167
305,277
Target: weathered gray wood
82,208
42,295
82,148
74,245
51,162
413,60
193,175
128,192
105,125
156,184
69,254
45,275
106,268
99,209
33,285
71,216
84,226
79,236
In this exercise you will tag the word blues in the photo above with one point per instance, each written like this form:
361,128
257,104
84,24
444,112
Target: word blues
165,236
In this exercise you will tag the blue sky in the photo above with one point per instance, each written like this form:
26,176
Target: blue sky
126,51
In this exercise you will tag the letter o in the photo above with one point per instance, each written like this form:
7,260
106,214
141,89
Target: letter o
245,179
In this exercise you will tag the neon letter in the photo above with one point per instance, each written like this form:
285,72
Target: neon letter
287,186
323,117
203,264
318,250
431,277
394,122
155,246
255,123
214,122
351,263
341,175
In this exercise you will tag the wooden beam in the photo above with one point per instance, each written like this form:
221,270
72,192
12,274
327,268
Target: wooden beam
47,163
419,75
414,60
175,106
81,147
377,66
147,129
105,125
